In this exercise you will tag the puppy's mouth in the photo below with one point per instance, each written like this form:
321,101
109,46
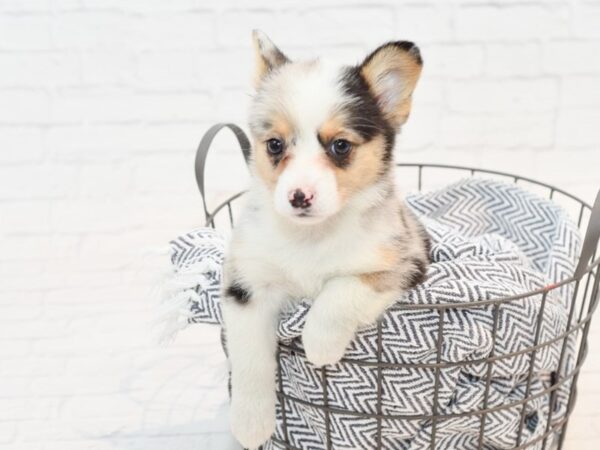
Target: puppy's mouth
306,217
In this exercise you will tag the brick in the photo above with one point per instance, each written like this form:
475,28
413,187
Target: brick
74,385
329,25
17,349
114,66
179,68
234,27
192,29
233,68
17,313
14,387
571,57
429,91
25,32
25,216
421,130
40,68
32,329
21,446
26,6
167,138
585,19
578,128
453,60
101,180
233,105
568,168
580,91
423,23
87,143
8,431
15,139
80,216
27,408
97,364
498,131
511,22
31,276
114,106
94,407
51,181
540,95
24,106
92,29
23,246
143,7
509,59
162,174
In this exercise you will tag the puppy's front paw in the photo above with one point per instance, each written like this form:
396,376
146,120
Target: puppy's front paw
325,343
253,419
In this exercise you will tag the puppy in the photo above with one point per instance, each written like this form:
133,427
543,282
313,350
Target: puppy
322,219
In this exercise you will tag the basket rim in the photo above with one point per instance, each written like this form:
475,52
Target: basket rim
209,222
471,169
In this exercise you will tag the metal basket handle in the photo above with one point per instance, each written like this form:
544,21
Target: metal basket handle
204,146
590,242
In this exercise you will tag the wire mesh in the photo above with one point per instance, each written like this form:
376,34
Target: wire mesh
577,329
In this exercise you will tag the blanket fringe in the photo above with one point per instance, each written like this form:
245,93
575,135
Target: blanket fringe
175,294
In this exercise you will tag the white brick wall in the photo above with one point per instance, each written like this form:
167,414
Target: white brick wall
101,106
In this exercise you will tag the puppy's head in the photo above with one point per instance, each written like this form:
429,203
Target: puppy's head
323,133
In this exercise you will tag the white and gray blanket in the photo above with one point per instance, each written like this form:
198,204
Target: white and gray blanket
490,240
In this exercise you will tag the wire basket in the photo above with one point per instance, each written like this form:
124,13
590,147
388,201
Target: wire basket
581,306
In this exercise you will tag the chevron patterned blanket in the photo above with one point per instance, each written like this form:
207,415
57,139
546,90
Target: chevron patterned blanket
490,240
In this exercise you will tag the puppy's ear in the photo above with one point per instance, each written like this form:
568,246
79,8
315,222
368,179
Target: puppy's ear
268,56
392,72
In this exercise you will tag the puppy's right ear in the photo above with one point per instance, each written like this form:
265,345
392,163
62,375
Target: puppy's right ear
268,56
392,72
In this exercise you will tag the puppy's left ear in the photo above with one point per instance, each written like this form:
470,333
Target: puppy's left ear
392,72
268,56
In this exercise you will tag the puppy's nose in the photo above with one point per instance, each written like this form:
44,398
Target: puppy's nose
300,199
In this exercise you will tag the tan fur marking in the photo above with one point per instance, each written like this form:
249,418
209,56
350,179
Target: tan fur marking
389,256
382,281
334,128
264,166
280,128
364,169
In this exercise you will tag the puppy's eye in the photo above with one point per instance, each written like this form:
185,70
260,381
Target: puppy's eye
340,147
274,146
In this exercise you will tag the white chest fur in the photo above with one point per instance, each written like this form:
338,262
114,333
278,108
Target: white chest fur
299,259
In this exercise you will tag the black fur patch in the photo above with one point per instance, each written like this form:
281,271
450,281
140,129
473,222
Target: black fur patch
364,115
239,293
417,276
427,241
403,219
